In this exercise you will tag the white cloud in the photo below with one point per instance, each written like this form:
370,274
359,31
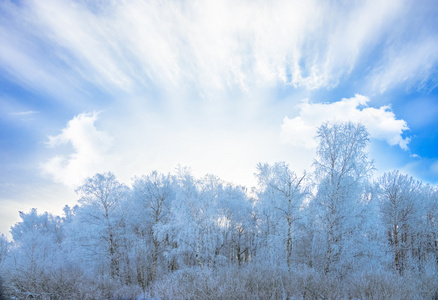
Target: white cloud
381,123
131,46
90,148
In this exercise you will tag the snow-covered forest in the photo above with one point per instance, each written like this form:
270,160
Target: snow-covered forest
340,232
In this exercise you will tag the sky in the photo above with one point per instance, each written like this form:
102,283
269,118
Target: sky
219,86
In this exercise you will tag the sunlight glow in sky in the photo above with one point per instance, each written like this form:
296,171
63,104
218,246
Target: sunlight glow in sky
135,86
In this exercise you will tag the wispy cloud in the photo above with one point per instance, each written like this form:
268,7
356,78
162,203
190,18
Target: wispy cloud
414,65
23,116
203,45
24,113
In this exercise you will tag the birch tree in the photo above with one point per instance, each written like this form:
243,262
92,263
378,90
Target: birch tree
341,169
153,197
401,211
279,200
103,218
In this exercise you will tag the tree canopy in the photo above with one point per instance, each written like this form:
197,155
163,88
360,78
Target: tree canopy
332,233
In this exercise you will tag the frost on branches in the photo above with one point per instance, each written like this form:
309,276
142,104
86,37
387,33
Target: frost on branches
335,233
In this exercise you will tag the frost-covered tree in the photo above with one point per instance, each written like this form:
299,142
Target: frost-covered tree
341,171
236,223
401,208
181,230
195,230
100,221
4,249
431,224
36,261
331,235
280,197
152,198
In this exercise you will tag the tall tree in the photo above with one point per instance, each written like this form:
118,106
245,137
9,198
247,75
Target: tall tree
153,197
279,200
401,211
341,169
237,223
195,222
102,215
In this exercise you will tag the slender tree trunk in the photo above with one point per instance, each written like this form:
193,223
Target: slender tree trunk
114,264
396,251
155,259
289,242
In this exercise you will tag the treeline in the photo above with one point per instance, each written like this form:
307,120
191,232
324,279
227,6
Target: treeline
332,234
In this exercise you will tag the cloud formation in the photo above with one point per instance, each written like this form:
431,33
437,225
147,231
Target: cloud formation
89,145
206,46
381,123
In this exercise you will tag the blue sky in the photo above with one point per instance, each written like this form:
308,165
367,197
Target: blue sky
134,86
